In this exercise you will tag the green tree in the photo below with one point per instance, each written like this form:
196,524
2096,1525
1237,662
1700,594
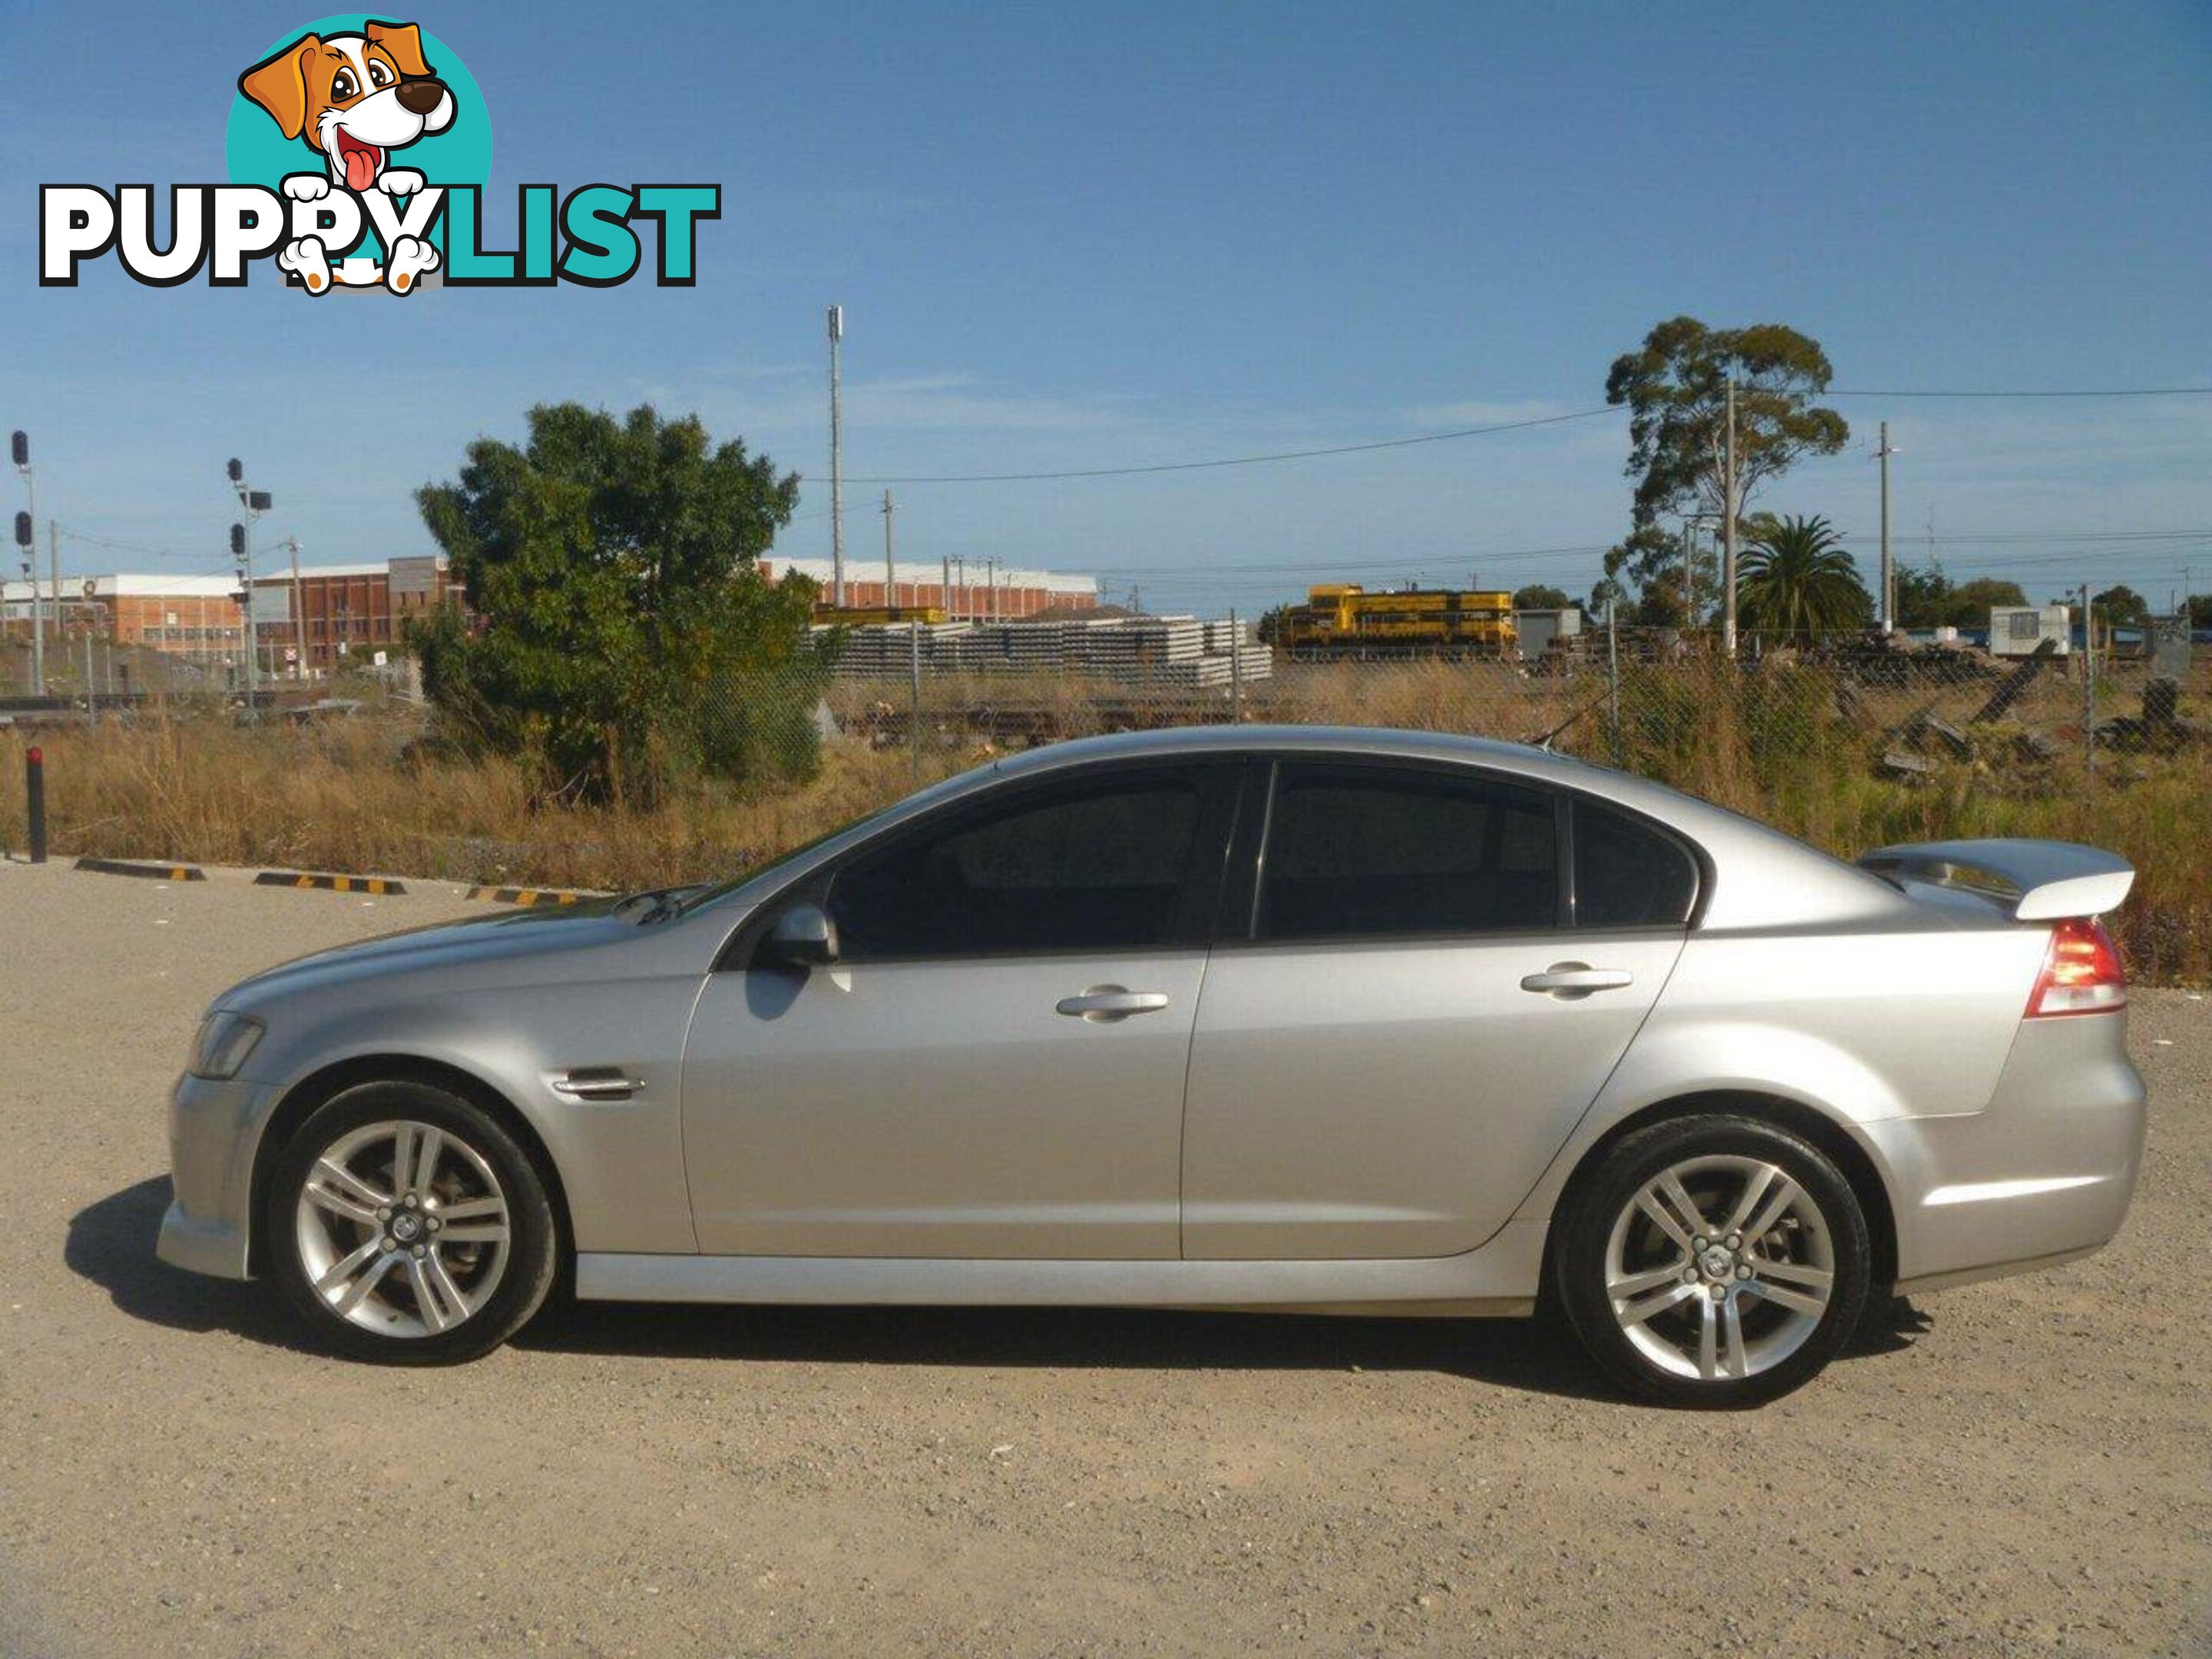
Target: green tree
1927,598
1675,387
2199,606
1924,596
1970,601
1676,390
1540,596
1797,581
2121,606
623,635
1644,572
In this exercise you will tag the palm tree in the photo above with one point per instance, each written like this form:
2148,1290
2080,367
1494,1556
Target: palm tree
1796,580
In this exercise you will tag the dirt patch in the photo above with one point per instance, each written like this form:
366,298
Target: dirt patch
2016,1468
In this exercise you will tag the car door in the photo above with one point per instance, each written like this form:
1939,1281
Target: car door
993,1065
1419,1009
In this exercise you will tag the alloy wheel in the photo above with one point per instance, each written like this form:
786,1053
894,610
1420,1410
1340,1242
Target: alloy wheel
403,1228
1719,1267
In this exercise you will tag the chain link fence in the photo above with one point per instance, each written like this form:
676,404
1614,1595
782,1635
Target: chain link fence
1659,702
1846,742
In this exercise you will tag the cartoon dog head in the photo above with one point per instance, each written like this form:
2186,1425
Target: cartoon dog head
354,97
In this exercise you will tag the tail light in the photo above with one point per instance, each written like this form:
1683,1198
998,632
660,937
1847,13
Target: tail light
2081,973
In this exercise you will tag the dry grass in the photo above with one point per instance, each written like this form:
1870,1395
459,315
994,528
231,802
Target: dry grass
358,797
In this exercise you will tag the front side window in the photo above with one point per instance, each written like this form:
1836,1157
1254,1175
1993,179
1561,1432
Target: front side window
1088,866
1355,849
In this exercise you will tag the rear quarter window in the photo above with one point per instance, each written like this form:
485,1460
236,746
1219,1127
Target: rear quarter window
1628,874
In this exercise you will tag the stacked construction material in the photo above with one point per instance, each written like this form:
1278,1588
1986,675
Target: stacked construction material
1137,647
1223,634
878,650
1168,651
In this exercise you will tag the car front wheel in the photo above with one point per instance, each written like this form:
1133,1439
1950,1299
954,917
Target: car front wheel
1713,1261
406,1226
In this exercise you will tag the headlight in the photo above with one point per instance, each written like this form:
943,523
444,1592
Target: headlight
223,1043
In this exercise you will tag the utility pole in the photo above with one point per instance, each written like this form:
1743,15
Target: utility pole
255,502
836,461
2088,683
1727,533
944,585
241,549
299,613
890,569
1689,574
960,567
1888,569
991,589
54,580
26,536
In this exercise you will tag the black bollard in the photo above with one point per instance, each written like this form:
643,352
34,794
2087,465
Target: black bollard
34,801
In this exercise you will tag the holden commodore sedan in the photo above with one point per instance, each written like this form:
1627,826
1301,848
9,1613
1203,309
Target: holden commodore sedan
1333,1020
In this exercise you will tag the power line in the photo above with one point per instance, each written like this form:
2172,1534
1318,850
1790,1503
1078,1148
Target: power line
1239,460
1486,431
71,535
2118,392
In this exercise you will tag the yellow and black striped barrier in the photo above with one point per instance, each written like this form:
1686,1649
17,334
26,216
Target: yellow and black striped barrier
527,897
134,867
376,884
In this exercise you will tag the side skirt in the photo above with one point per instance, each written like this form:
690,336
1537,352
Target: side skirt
1497,1280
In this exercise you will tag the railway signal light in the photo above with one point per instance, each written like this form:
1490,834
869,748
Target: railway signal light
20,446
237,471
237,541
23,536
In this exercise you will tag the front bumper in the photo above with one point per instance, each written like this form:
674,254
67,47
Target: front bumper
213,1129
2042,1174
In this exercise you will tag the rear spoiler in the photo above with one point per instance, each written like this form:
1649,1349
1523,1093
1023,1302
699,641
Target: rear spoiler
2033,880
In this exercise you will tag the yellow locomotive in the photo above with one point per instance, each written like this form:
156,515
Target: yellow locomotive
876,616
1343,620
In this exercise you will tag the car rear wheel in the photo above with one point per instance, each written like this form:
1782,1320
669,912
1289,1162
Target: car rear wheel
406,1226
1713,1261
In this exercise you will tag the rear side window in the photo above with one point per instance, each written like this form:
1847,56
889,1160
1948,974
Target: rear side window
1628,875
1373,850
1100,867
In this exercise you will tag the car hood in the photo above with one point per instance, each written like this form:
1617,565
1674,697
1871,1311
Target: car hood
503,944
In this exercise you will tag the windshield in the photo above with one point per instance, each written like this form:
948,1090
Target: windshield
693,898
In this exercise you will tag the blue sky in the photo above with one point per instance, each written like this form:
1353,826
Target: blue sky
1135,234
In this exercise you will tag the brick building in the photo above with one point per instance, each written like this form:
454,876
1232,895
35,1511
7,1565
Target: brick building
341,610
349,611
190,616
963,590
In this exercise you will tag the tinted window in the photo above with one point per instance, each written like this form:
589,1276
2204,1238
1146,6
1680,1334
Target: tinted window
1095,867
1362,849
1627,875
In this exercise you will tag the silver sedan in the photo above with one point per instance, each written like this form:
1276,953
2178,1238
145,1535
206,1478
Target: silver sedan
1331,1020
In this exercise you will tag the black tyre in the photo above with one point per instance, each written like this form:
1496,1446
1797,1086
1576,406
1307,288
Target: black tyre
406,1226
1712,1261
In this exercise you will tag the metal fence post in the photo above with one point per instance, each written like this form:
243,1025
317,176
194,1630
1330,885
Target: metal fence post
2088,683
1613,676
34,801
1235,671
914,719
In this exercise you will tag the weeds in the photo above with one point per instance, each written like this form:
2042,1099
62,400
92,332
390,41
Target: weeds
367,795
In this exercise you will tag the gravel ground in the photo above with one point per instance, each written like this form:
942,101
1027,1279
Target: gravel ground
2017,1467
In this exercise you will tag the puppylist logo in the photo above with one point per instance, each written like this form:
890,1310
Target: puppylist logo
358,151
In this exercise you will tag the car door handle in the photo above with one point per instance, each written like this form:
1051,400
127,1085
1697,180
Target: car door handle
1108,1002
1574,980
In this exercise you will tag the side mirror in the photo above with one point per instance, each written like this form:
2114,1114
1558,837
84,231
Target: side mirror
803,936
